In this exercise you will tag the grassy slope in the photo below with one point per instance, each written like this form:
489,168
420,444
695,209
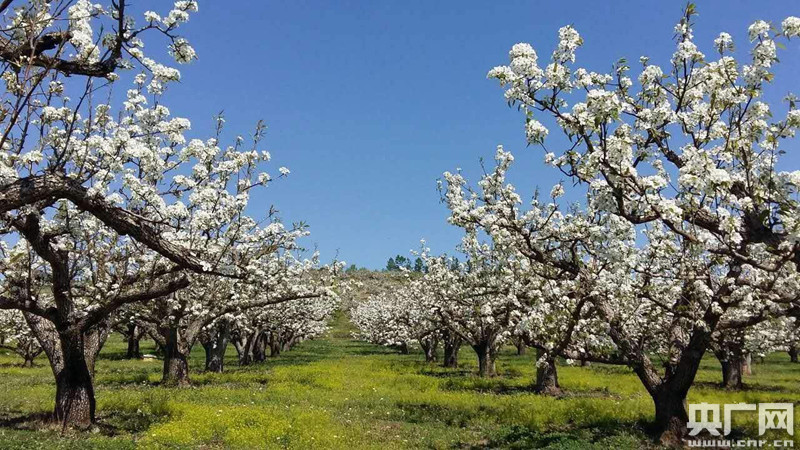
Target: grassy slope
338,393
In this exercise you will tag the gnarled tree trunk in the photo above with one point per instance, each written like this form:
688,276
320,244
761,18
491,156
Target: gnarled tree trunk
215,348
733,362
546,374
133,335
452,344
28,361
75,403
28,349
275,345
429,347
669,391
747,368
176,358
240,342
732,372
671,417
486,360
259,347
522,348
72,357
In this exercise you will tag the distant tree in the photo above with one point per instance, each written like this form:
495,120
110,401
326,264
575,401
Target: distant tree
391,265
402,262
419,266
352,268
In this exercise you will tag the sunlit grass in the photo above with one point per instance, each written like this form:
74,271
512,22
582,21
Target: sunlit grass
337,393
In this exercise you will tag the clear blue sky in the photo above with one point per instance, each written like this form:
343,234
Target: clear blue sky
369,102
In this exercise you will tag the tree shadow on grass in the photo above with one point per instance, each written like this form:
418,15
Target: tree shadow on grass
747,387
504,387
116,422
108,423
600,434
113,355
32,421
597,435
19,365
441,372
359,348
44,422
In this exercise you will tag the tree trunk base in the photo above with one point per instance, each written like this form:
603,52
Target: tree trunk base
75,404
732,373
176,371
671,420
546,376
215,355
451,355
486,361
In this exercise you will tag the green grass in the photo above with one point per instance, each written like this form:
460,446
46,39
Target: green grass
337,393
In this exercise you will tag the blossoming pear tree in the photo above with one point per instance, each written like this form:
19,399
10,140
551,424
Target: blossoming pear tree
277,327
475,298
401,317
297,311
15,335
689,159
383,319
276,275
736,348
107,205
564,260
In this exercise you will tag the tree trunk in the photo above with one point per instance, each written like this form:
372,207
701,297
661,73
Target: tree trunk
546,374
275,346
72,356
134,337
242,350
671,418
215,356
160,350
452,344
521,347
732,372
288,341
176,360
746,364
215,348
292,342
258,348
486,366
793,353
75,403
29,349
669,392
429,349
733,363
403,348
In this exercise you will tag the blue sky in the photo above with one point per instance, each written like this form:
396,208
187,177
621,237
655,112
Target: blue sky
369,102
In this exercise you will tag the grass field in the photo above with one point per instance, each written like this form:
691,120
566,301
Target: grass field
338,393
